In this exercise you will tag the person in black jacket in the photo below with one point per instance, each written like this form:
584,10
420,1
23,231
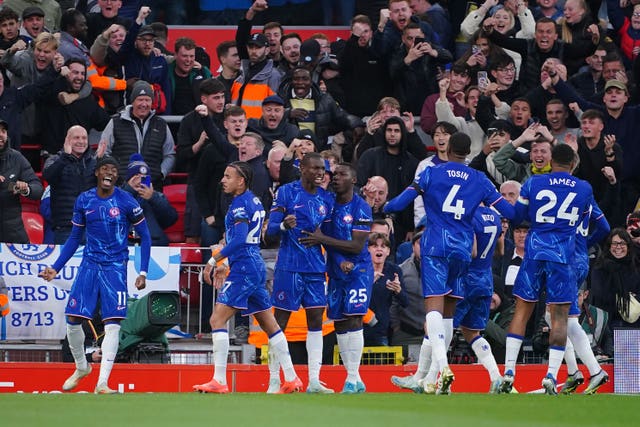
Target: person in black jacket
16,179
396,165
69,173
312,109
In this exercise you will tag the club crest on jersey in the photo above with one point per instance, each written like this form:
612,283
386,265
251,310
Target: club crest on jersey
348,219
322,209
114,212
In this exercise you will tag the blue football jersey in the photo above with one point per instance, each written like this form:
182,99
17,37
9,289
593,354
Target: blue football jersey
346,218
555,204
451,193
107,223
245,208
310,210
487,229
581,255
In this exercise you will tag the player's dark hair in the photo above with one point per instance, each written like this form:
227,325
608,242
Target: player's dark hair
244,170
349,166
592,114
460,144
312,155
561,154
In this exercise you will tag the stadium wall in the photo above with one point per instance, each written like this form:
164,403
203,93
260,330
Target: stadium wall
20,377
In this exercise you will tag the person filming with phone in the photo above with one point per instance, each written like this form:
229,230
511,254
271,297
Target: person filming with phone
157,210
413,68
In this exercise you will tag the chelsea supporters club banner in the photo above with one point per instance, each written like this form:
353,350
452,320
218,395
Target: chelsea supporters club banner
37,306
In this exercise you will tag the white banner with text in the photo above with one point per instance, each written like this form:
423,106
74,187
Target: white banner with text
37,306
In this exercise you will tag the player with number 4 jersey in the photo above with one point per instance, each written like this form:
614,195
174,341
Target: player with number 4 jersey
451,193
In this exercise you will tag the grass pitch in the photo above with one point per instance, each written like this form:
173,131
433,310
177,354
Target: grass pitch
301,410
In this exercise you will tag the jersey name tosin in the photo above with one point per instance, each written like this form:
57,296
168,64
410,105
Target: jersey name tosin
458,174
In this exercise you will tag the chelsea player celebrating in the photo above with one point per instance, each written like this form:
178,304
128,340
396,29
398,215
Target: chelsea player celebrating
299,277
106,214
244,289
555,204
451,193
349,268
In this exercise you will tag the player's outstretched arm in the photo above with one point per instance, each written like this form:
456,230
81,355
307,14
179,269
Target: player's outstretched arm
402,200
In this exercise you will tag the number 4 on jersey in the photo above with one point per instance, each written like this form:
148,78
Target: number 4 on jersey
456,209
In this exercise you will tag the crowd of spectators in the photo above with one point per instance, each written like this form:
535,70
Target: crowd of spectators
517,76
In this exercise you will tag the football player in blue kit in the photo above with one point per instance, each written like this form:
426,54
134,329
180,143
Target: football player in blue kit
105,215
349,268
451,193
299,277
555,204
577,339
244,288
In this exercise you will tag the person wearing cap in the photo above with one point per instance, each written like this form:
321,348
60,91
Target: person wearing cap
259,78
103,215
621,120
17,179
56,118
271,124
69,172
137,129
46,12
141,62
273,30
158,212
317,111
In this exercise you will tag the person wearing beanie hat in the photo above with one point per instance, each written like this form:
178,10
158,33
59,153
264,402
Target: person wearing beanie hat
104,215
141,62
138,129
158,212
140,88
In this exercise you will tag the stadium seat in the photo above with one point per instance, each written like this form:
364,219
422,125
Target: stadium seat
176,194
191,258
34,225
